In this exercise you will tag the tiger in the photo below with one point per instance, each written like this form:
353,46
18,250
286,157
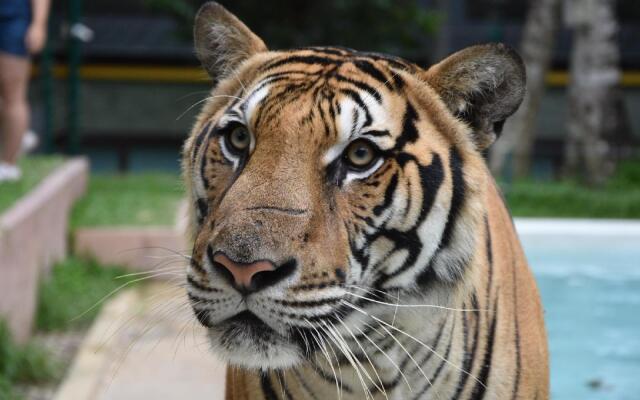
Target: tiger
348,239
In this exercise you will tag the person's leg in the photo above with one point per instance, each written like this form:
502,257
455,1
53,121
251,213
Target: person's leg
14,109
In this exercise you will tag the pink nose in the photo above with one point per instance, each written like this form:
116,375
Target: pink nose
243,274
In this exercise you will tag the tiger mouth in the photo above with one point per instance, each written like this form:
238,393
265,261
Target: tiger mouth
246,325
247,341
248,321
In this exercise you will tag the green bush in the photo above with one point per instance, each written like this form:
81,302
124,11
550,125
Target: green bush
6,390
27,364
72,297
401,27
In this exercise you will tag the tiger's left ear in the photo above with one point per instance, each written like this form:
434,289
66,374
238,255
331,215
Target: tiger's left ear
481,85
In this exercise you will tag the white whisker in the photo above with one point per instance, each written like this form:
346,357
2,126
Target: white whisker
416,340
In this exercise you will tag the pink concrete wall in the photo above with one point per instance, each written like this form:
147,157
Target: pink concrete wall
33,236
138,248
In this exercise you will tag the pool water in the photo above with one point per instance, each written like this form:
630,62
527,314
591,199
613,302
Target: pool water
590,287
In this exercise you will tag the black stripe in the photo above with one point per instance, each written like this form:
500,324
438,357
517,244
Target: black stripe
409,131
308,303
300,60
431,177
291,211
200,286
355,96
355,116
304,385
197,266
335,51
203,167
489,259
457,196
267,388
202,316
389,193
199,140
201,300
327,377
436,342
518,370
275,99
422,362
395,62
469,357
376,133
485,370
360,85
390,385
203,209
368,68
444,360
323,118
283,385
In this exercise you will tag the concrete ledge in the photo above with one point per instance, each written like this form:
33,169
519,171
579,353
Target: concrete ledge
138,248
578,227
33,236
138,350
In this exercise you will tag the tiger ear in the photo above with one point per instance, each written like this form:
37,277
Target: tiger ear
481,85
222,42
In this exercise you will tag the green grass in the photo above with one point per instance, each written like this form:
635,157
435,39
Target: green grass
34,169
619,198
23,364
135,200
67,299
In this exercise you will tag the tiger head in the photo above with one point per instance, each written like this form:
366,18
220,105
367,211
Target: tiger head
322,176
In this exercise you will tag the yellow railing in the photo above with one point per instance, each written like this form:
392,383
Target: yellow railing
158,73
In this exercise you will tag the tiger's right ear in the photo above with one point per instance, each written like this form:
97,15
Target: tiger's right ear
222,42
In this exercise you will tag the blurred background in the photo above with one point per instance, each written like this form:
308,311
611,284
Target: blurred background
123,89
118,84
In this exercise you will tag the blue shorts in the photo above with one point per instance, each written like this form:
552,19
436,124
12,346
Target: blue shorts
12,34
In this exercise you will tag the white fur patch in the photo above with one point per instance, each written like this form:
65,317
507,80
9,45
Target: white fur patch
253,100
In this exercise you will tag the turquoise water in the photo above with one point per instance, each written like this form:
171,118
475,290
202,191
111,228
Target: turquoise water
590,288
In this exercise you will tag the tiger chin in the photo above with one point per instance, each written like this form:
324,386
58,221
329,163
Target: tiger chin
348,239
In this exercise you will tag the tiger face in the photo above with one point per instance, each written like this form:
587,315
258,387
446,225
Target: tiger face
322,175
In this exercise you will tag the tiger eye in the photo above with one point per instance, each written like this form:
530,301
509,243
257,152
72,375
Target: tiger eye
360,154
239,138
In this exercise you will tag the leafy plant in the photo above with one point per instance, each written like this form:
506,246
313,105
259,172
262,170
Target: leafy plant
401,27
70,298
29,363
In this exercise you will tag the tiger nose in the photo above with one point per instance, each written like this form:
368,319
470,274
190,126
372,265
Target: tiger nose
251,277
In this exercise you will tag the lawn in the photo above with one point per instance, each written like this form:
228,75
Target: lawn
34,169
135,199
152,199
619,198
72,296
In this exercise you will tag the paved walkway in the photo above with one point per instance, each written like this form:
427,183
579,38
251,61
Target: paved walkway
145,345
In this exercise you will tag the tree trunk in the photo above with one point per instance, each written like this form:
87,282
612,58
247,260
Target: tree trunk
593,90
536,49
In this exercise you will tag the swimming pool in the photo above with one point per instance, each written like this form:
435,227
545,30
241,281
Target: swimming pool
589,278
